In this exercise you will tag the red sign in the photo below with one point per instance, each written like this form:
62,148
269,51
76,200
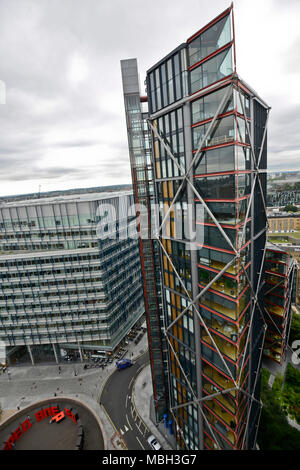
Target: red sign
39,416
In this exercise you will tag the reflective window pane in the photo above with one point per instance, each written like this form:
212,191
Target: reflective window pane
216,160
212,70
206,107
210,40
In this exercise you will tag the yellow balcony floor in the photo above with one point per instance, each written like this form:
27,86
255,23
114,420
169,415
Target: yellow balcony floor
225,348
213,420
218,265
218,410
221,398
275,309
227,329
219,379
221,287
220,308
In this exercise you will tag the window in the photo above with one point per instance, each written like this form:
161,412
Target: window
206,107
216,160
222,132
212,70
210,40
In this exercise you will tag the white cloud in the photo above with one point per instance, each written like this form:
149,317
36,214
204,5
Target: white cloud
77,69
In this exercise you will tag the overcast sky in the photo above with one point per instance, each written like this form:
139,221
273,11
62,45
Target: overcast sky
63,123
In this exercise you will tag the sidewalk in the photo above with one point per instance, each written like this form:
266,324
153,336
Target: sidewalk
142,394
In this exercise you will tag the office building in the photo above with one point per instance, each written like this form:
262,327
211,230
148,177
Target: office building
209,157
70,274
139,143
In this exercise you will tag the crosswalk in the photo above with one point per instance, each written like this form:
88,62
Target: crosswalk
125,430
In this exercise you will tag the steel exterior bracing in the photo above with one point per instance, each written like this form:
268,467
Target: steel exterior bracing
192,302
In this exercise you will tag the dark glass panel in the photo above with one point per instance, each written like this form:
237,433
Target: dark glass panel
210,40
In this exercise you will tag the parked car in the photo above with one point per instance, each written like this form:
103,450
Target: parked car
153,442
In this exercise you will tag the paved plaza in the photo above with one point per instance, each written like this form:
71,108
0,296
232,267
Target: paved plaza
25,385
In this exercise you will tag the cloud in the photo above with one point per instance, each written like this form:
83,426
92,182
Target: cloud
64,123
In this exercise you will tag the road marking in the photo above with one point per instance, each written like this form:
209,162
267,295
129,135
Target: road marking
130,383
126,428
128,423
121,432
140,443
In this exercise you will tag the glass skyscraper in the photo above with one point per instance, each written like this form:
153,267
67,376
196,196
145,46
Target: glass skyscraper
209,156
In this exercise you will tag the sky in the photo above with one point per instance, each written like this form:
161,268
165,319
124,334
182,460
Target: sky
63,124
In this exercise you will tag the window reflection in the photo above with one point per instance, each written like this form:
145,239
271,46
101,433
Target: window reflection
206,107
212,70
222,132
210,41
243,158
217,187
216,160
223,186
227,212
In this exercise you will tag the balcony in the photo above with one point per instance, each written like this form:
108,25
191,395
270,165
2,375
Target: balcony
226,399
228,312
221,428
223,285
233,269
226,417
222,382
225,328
224,347
275,309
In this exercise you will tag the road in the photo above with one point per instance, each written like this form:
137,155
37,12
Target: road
116,398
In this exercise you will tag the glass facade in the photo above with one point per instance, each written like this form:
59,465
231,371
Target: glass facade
63,280
278,297
211,317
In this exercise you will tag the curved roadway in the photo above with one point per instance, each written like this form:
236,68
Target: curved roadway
116,399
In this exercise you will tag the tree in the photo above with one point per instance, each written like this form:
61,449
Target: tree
295,329
290,208
274,432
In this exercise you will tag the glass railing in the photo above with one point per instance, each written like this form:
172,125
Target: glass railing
229,438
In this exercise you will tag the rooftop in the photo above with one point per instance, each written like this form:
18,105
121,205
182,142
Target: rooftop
63,196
